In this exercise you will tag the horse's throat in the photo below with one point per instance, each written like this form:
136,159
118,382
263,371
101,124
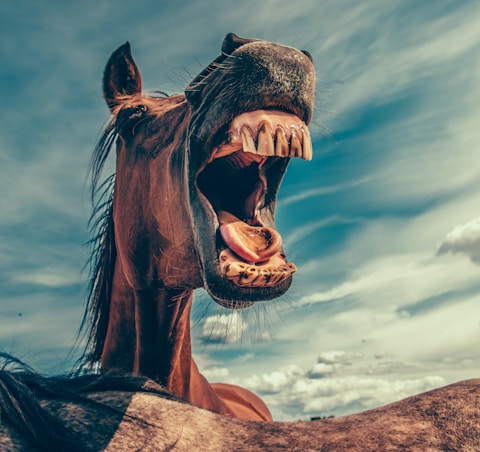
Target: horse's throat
162,337
148,330
149,334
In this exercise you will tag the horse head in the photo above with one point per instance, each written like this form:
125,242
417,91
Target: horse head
198,175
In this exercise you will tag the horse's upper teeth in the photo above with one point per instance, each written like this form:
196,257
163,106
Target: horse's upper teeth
248,142
267,133
282,147
265,141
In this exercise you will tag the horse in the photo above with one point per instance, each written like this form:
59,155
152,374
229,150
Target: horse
220,235
192,205
123,412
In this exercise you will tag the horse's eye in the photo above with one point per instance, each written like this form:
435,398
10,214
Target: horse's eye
128,118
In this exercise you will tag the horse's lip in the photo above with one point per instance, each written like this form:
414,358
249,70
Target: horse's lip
265,133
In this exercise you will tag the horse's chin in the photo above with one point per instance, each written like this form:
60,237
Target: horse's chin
231,296
234,278
233,281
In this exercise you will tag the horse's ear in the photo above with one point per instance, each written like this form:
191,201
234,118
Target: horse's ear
121,76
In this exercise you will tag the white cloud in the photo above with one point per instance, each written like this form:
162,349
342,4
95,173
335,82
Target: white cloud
367,282
463,239
213,374
319,191
337,356
224,328
273,382
398,304
50,277
330,395
383,274
340,389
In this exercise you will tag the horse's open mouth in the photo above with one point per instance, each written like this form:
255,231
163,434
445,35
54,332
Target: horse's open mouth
236,183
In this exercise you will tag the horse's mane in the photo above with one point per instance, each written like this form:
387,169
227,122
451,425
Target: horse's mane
102,244
21,388
21,410
101,262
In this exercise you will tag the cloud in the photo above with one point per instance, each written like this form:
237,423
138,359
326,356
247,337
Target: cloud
331,362
463,239
304,231
336,384
49,276
216,373
374,276
224,328
320,191
403,49
357,393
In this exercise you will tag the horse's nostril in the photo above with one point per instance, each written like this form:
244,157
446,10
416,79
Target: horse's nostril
232,42
308,54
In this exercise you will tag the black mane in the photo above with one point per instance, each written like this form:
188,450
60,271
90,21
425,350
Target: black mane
21,388
102,244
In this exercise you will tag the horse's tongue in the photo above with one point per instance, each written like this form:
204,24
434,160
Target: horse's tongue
252,243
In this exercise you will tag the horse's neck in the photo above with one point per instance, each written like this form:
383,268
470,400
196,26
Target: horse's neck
149,334
148,330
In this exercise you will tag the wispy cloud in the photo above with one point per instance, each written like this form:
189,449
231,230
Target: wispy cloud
319,191
463,239
303,232
49,277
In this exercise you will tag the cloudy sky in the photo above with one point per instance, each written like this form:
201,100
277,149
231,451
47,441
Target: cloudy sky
383,224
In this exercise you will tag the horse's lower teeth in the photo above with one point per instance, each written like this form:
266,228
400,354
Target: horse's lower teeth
246,275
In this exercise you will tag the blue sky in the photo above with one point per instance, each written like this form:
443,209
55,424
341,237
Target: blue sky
383,224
